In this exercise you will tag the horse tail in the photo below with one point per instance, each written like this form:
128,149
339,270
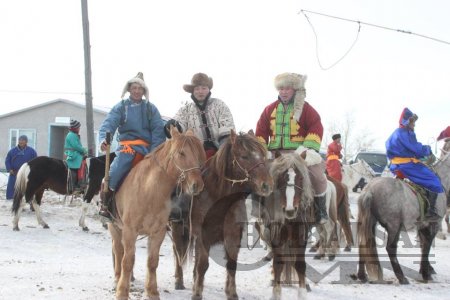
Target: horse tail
368,254
20,186
344,216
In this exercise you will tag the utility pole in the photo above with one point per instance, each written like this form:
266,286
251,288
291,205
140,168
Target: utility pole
87,79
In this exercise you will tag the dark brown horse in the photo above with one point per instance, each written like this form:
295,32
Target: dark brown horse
285,219
218,213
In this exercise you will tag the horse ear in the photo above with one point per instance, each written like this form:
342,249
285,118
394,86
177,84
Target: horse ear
232,136
190,132
251,132
277,153
174,131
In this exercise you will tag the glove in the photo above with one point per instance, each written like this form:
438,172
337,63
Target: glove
311,156
172,122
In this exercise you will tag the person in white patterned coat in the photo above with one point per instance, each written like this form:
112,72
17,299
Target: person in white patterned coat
210,118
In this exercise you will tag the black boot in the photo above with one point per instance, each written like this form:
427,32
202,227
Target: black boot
321,209
106,198
432,215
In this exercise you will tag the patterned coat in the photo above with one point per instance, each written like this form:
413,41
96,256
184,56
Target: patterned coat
405,153
278,129
219,120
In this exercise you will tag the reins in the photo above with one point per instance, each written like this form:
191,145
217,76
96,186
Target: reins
246,172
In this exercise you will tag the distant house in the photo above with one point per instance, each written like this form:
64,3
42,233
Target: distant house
46,126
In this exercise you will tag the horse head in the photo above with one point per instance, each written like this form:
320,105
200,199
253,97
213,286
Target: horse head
292,184
187,156
248,158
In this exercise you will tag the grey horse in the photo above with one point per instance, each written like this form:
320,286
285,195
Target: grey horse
393,204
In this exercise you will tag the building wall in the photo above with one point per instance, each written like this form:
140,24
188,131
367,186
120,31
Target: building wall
40,118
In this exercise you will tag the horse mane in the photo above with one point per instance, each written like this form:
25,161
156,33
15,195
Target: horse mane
220,165
293,160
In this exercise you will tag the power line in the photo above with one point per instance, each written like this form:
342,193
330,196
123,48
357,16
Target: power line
377,26
41,92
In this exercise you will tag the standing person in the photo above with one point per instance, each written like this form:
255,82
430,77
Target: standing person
291,124
140,130
74,153
405,153
209,118
333,155
15,158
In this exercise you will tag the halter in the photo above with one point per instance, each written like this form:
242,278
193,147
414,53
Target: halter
247,172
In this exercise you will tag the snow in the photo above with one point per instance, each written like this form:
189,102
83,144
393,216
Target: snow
64,262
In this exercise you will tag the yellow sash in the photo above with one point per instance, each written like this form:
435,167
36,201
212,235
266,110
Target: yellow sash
126,145
332,157
404,160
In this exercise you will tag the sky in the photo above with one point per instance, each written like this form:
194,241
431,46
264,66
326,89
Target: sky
242,45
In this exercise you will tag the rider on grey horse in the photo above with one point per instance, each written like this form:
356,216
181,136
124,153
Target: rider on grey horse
406,153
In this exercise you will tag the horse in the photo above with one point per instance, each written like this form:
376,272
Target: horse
392,203
444,151
285,218
44,172
343,215
218,213
142,204
353,173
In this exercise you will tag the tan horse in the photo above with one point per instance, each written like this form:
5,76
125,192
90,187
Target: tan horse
143,204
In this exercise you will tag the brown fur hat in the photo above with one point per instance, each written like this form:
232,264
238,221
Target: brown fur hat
139,79
197,80
297,82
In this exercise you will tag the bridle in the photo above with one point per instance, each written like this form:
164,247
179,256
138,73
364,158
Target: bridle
246,172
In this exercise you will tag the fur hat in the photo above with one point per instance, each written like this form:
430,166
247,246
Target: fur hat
297,82
445,134
336,136
74,124
197,80
23,138
406,116
139,79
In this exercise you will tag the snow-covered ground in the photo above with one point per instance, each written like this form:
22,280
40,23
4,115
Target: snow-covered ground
64,262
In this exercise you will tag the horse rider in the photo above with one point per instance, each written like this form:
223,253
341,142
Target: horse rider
209,118
405,154
140,130
333,155
291,124
74,153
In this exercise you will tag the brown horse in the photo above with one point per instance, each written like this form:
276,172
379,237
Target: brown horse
343,215
143,204
285,219
218,213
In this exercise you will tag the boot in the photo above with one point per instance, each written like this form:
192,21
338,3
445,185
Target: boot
432,215
321,209
106,198
74,180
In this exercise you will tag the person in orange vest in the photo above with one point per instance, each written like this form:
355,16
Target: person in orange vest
333,155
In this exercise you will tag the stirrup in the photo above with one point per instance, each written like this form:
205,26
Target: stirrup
106,215
432,217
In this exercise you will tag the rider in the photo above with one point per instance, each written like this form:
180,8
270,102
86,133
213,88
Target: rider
209,118
140,130
291,124
333,156
405,153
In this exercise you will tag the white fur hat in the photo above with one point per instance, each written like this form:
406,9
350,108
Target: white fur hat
297,82
139,79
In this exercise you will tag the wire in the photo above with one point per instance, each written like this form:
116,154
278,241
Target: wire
317,46
41,92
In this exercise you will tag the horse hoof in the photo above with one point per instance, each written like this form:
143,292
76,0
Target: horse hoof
16,229
46,226
331,257
348,249
403,281
105,225
318,256
308,287
179,286
85,229
313,249
196,297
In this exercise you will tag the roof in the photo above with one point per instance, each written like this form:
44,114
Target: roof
102,110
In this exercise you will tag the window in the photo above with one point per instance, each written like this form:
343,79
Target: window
15,133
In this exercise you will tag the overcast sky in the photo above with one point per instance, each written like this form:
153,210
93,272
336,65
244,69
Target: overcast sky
242,45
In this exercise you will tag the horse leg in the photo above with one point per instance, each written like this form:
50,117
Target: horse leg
277,269
200,268
232,245
447,220
129,247
300,267
17,215
180,243
391,249
117,250
315,247
153,245
81,222
426,235
37,208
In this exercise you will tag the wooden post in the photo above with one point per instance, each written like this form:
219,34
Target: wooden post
108,149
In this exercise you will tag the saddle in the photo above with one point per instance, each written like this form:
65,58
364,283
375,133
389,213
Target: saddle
419,191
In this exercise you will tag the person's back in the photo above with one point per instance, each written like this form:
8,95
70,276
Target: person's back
140,129
333,155
406,153
209,118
